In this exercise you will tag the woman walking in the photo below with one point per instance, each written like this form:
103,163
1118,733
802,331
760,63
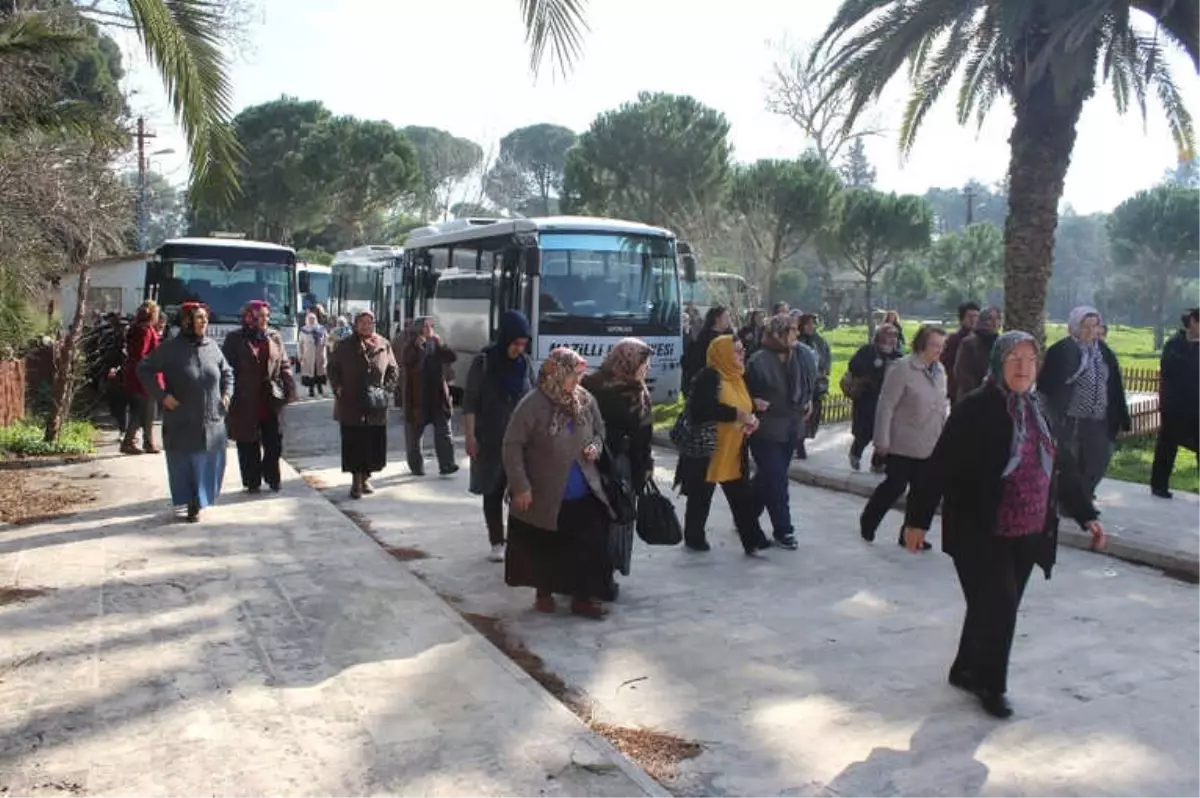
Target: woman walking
892,318
619,388
314,355
908,421
720,397
425,397
809,336
362,374
141,339
263,376
864,375
973,361
498,379
189,376
1180,397
998,475
1085,395
559,516
717,321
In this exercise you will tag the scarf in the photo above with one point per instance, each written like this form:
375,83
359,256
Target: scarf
317,332
1021,406
511,372
618,373
187,317
249,321
1088,383
726,462
556,369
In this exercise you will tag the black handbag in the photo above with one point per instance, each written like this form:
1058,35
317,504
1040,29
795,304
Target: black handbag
375,398
693,440
617,489
657,523
279,394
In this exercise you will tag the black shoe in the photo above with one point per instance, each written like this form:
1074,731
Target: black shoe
697,545
995,704
254,488
451,469
925,544
787,542
274,486
755,548
1162,493
962,680
193,512
867,535
417,472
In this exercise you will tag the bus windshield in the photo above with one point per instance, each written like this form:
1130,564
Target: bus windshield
318,290
608,276
226,291
356,281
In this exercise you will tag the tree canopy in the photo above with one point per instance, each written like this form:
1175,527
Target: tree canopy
969,264
445,160
528,175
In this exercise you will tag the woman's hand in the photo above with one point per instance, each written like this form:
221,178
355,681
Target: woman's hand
913,538
225,401
761,405
522,501
170,402
472,447
746,418
591,452
1099,539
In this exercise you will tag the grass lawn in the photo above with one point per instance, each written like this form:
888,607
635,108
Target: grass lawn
1133,457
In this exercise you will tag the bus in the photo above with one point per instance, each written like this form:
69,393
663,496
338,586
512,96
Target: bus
583,283
361,279
225,274
717,288
315,281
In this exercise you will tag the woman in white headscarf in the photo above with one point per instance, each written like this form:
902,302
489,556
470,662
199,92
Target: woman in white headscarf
1085,394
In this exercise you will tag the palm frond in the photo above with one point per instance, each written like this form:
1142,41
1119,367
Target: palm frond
183,40
1179,119
557,24
1179,20
983,69
34,34
930,85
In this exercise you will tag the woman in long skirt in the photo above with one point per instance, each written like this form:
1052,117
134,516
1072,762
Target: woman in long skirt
363,373
197,384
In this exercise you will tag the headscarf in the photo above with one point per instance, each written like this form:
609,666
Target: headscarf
187,318
1020,405
884,330
726,462
556,369
510,372
250,323
1090,350
316,329
776,331
354,330
619,373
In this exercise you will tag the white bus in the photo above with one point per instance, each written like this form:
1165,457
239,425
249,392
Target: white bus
361,279
584,283
225,274
315,283
718,288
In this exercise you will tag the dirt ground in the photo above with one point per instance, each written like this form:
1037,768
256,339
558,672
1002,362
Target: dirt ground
30,494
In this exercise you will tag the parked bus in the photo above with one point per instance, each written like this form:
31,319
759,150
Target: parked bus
362,280
718,288
315,281
584,283
225,274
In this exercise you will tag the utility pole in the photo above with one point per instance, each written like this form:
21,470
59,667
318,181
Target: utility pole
141,136
969,196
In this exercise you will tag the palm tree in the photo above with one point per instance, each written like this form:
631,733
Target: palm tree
1047,57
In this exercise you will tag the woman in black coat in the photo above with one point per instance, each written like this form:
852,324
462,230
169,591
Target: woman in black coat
867,369
998,474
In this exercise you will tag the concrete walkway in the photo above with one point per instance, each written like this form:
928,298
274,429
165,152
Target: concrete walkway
273,649
822,671
1141,528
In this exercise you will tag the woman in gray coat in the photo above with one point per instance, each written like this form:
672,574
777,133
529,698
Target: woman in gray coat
197,384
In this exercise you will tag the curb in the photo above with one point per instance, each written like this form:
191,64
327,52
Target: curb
635,774
845,481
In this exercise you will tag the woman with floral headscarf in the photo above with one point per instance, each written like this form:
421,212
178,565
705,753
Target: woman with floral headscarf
619,387
1085,394
720,397
263,375
558,517
997,473
190,378
363,374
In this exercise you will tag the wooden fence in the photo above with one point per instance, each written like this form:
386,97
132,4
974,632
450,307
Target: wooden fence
12,391
1141,380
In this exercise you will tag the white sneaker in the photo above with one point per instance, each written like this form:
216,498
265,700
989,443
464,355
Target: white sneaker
497,554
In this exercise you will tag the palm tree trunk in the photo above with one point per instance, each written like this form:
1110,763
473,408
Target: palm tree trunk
1041,141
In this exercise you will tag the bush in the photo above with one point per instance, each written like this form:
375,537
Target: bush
25,438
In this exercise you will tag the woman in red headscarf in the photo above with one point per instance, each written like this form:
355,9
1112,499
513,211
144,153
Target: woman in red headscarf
263,386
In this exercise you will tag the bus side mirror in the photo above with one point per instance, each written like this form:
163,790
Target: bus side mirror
304,282
689,268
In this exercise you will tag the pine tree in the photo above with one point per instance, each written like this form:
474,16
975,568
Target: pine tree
856,170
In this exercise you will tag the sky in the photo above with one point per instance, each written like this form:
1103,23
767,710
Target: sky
462,65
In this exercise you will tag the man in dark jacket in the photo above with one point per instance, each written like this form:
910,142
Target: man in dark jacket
1179,399
968,314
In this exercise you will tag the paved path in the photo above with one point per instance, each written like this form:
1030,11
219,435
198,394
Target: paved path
1142,528
821,671
273,649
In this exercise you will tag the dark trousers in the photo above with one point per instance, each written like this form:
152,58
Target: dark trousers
493,513
118,405
993,575
860,445
441,443
1171,435
902,472
771,481
259,460
740,495
142,410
